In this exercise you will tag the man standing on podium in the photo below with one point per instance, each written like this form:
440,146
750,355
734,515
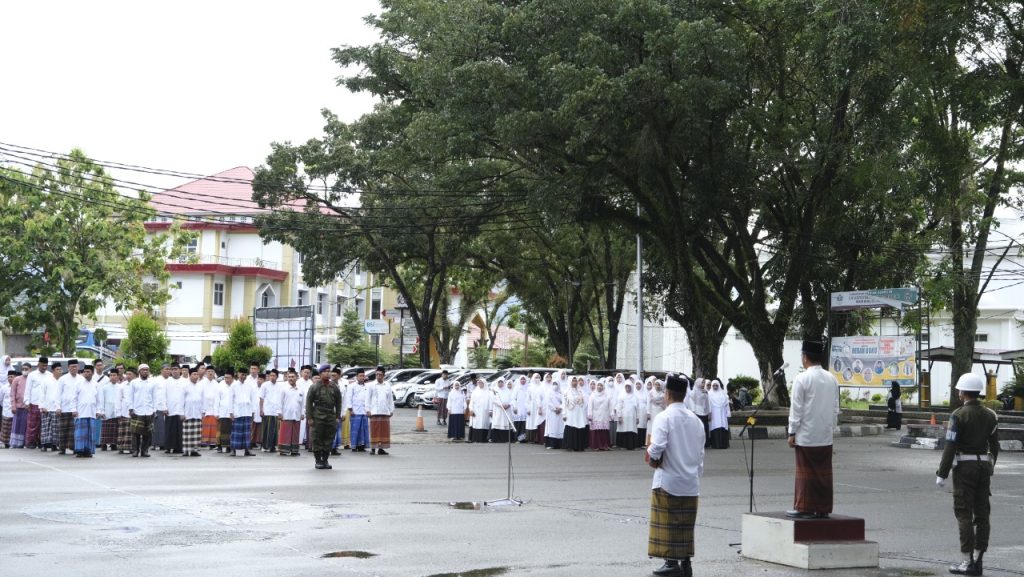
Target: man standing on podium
676,452
812,416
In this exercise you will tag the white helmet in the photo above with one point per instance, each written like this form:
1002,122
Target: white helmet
970,382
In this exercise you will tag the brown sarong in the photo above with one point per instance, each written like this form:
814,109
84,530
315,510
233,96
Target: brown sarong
813,493
672,521
380,431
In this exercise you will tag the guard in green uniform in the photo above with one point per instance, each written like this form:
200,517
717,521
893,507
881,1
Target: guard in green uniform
972,446
323,406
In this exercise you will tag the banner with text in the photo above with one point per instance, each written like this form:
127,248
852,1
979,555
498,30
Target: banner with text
874,361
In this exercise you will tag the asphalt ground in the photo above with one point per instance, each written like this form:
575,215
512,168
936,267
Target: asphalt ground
584,513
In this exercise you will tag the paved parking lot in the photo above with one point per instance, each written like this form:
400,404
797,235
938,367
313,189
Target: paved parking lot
585,513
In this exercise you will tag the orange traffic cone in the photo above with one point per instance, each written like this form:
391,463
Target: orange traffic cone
419,420
933,419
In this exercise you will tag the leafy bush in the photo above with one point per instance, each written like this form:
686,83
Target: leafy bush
145,342
876,398
993,404
242,349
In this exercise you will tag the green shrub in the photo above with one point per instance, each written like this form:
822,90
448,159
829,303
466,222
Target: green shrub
876,398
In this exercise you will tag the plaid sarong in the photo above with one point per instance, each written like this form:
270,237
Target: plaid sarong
360,431
257,433
191,434
224,432
141,424
65,431
5,430
288,437
210,430
124,434
672,521
48,429
241,431
270,428
19,428
34,427
84,436
380,431
97,430
813,492
108,431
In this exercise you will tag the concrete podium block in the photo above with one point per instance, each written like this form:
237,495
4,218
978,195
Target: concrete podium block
834,543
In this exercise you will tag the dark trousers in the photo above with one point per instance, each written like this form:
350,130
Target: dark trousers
172,433
971,488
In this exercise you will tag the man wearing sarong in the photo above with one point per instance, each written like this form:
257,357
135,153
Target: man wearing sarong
270,406
441,388
211,389
67,386
812,415
323,411
223,410
676,453
19,407
382,406
109,392
124,418
35,398
293,407
256,378
86,413
245,403
357,400
305,381
192,423
100,379
174,408
142,406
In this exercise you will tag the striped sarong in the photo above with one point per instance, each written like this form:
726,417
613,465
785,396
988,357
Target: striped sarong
108,431
65,431
257,433
224,432
34,427
84,436
380,431
48,429
672,521
241,431
360,431
124,434
270,428
6,426
19,428
210,430
288,437
191,434
813,492
97,430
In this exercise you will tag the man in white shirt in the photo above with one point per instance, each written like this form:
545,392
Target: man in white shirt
87,408
292,410
245,404
224,406
304,382
382,406
35,386
441,388
174,409
67,387
142,406
676,453
270,406
211,389
812,415
192,423
256,378
357,400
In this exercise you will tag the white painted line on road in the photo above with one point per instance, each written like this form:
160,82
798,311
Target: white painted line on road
863,487
80,478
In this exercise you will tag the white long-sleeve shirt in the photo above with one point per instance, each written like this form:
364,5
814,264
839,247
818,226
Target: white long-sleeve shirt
677,438
382,399
357,398
211,389
35,387
245,399
814,407
271,395
225,400
192,400
87,399
174,395
293,403
67,392
457,402
142,395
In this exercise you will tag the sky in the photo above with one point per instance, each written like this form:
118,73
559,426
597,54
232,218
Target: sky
192,86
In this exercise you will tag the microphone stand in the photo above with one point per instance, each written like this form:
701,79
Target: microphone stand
508,500
751,421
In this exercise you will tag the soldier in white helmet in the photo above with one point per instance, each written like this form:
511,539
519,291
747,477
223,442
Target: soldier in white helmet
972,446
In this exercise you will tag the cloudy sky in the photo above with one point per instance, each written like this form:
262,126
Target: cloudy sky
193,86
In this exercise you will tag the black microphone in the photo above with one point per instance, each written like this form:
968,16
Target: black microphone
781,369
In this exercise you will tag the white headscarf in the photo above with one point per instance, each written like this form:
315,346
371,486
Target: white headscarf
4,367
718,398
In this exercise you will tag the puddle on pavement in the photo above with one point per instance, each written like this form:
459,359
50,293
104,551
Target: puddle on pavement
487,572
466,506
355,554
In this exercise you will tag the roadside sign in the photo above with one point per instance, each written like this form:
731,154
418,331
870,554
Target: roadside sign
376,327
400,303
396,342
410,349
391,314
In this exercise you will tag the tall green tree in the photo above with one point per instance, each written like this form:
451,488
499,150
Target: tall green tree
79,244
145,341
351,346
242,349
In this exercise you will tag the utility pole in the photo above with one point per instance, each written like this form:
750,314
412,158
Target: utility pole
639,302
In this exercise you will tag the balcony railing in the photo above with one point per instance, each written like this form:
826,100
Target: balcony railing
229,261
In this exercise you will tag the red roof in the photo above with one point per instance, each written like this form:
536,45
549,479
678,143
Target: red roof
506,338
227,192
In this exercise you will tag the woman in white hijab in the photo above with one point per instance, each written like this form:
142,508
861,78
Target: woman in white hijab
520,407
599,413
614,389
535,411
641,391
479,413
718,405
456,413
554,428
576,433
501,405
5,368
626,414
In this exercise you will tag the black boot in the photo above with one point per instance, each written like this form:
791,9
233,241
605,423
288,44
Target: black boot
975,569
335,453
671,568
687,568
326,461
319,460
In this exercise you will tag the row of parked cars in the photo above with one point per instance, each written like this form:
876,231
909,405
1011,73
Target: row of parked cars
416,387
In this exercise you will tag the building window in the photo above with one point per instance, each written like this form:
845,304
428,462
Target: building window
214,345
266,297
321,303
193,246
980,337
218,294
339,307
375,309
303,298
178,284
319,352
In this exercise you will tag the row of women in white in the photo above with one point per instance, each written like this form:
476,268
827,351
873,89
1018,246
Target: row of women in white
551,408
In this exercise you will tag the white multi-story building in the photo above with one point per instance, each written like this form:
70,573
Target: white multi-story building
229,271
1000,318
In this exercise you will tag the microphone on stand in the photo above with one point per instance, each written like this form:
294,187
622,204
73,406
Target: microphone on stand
781,369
